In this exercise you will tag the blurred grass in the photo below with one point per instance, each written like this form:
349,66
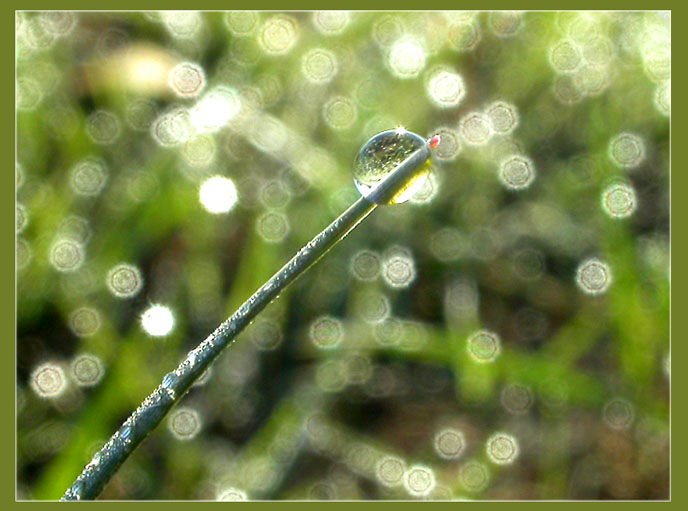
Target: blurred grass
575,351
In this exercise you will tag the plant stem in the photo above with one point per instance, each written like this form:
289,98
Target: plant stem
174,385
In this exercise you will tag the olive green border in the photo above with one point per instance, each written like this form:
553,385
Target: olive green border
678,245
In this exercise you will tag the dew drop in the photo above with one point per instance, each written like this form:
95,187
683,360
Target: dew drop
22,218
326,332
475,128
474,476
517,172
593,276
273,226
319,65
445,88
517,399
331,22
365,265
66,255
484,346
103,127
124,280
464,35
278,34
390,471
406,58
184,423
186,79
419,480
381,155
76,489
565,56
505,23
88,177
169,381
157,320
231,494
449,443
502,449
618,414
241,23
48,380
627,150
125,434
87,370
619,200
192,358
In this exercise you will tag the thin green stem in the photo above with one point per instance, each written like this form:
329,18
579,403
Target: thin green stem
174,385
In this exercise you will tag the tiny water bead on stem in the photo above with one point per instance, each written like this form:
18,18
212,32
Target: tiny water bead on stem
390,168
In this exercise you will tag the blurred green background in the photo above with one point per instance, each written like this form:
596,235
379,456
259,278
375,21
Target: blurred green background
366,363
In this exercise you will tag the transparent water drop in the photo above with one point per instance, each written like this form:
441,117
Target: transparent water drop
125,434
192,358
169,381
383,154
76,489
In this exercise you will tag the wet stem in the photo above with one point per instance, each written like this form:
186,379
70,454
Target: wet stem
156,406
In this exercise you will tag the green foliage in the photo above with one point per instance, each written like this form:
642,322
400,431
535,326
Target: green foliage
280,417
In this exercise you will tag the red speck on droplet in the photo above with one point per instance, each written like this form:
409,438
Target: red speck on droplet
434,142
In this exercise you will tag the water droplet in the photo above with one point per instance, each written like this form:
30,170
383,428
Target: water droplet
382,154
326,332
484,346
48,380
406,58
192,358
502,449
124,280
157,320
184,423
76,489
619,200
419,480
474,476
87,370
449,443
594,276
125,434
169,381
